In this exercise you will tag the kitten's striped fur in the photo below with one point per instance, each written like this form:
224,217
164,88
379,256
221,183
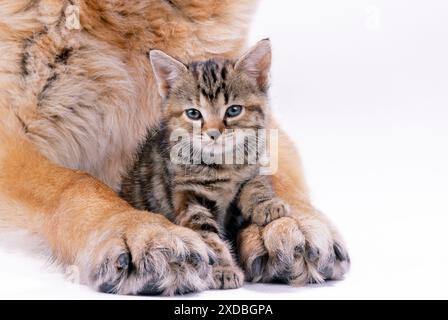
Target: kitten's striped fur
203,197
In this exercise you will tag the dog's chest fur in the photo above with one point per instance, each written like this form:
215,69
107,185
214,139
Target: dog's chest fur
86,99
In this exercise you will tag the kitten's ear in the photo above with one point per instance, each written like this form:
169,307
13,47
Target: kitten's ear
166,70
256,63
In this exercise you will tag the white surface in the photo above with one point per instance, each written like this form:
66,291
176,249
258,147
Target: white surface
362,87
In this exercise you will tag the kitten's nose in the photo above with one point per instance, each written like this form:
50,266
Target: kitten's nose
213,134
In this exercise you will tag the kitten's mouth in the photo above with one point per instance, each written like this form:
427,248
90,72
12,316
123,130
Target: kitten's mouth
217,147
227,149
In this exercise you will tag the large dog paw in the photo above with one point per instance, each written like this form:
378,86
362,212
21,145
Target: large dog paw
148,258
292,250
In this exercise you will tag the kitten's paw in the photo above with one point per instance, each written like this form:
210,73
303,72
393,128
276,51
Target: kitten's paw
198,218
229,277
269,210
292,250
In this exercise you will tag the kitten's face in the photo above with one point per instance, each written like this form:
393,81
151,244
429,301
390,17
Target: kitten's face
215,100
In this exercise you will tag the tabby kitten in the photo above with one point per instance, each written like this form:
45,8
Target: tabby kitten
215,98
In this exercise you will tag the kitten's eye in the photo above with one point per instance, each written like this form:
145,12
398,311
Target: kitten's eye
234,111
193,114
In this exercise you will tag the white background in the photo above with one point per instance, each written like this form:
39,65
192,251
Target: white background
362,87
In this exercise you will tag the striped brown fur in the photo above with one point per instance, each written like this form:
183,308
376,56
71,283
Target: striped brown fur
200,196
